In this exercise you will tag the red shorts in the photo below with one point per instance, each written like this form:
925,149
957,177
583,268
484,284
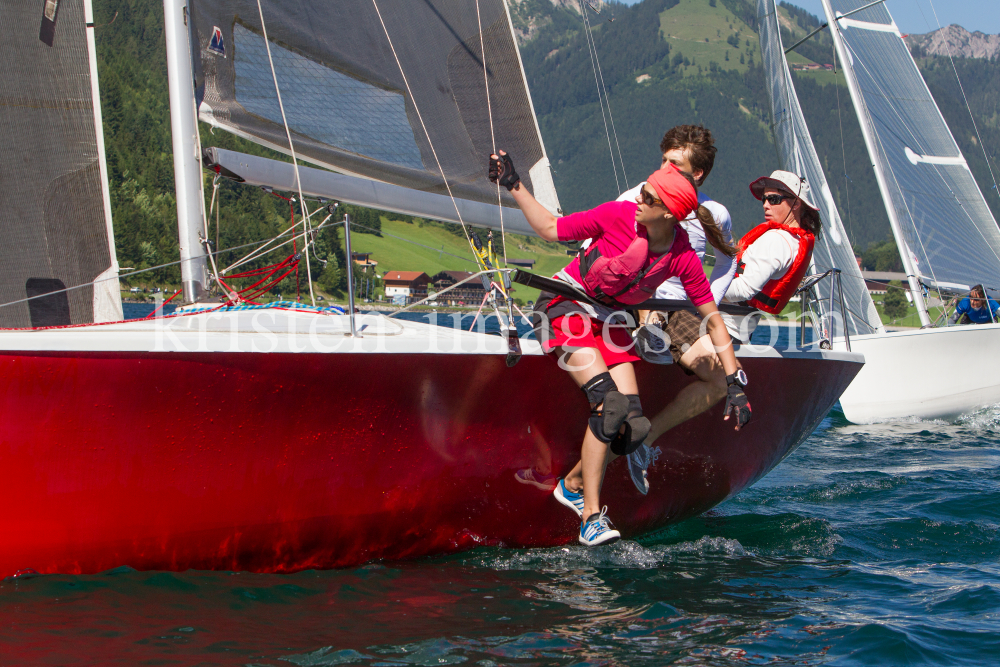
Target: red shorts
576,330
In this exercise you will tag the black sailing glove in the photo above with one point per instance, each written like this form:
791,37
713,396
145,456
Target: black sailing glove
737,402
502,171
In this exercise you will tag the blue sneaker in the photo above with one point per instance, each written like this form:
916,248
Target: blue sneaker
638,462
598,530
570,499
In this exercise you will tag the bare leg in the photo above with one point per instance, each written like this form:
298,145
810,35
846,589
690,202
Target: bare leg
697,397
577,479
593,462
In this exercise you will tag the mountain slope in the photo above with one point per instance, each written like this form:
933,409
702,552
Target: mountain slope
955,41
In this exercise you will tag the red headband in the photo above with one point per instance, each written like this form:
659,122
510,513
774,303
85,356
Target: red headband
675,191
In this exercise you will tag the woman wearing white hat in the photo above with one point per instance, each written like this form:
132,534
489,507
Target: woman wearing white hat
774,256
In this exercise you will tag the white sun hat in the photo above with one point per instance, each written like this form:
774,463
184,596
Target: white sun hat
791,183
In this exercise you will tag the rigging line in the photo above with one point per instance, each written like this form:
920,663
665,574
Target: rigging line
966,100
256,253
600,100
435,295
592,44
493,137
607,98
422,124
291,148
937,171
304,236
128,275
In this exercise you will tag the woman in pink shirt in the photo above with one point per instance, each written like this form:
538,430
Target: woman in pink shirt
634,248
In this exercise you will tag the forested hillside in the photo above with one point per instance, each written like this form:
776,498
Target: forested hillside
664,62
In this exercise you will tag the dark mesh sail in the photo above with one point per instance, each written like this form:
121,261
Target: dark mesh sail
798,155
345,98
947,229
55,231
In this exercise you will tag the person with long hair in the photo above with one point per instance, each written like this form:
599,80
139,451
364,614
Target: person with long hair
635,247
976,308
678,335
774,256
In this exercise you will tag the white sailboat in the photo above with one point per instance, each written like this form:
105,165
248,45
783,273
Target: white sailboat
947,238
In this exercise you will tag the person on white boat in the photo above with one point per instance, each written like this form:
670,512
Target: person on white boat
973,308
774,256
691,149
636,246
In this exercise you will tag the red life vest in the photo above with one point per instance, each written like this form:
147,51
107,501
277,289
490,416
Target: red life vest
774,295
621,279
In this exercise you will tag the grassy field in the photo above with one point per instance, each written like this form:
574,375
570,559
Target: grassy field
700,32
430,247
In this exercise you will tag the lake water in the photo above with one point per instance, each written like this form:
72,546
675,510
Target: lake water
869,545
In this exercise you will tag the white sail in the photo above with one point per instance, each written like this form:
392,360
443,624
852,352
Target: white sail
797,154
946,235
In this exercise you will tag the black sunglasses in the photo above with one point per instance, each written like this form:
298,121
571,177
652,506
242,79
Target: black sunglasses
650,200
774,200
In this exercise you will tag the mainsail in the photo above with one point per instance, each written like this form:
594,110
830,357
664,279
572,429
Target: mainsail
382,90
946,235
797,154
57,214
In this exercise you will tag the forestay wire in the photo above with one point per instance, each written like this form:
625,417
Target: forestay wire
595,64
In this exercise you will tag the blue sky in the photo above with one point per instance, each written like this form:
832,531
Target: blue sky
916,16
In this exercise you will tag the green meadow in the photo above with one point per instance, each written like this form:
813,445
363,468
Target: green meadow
704,34
431,247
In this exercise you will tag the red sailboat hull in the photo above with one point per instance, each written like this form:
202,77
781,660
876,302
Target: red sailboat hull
282,462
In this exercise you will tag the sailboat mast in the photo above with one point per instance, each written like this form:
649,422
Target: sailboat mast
187,160
868,132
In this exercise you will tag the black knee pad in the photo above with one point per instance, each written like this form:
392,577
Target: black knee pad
636,429
597,387
604,423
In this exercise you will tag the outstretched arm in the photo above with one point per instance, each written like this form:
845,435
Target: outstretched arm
501,170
